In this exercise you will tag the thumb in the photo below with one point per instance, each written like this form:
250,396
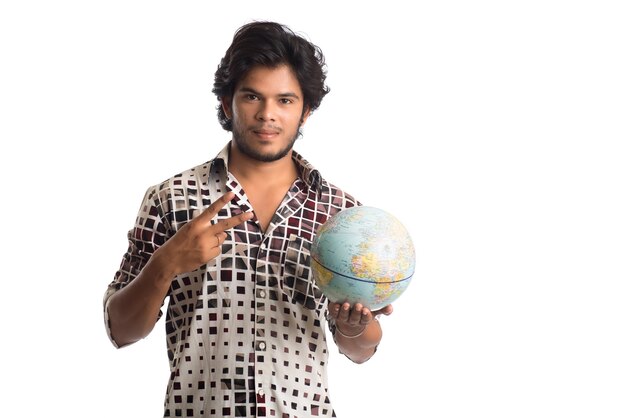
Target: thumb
385,310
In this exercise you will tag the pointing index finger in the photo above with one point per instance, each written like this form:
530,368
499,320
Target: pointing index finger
210,212
206,217
225,224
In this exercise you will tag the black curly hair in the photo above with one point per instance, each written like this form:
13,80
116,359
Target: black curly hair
270,44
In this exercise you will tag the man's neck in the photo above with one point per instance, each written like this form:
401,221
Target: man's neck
257,173
264,183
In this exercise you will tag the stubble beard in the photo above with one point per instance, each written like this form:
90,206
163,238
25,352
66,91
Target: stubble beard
249,151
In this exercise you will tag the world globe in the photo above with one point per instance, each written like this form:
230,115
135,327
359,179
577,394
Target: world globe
363,254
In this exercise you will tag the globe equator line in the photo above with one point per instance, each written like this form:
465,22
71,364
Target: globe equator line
356,278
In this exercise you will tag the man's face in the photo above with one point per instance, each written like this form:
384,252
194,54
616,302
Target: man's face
266,111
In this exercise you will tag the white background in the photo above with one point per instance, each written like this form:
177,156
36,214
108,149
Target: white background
493,129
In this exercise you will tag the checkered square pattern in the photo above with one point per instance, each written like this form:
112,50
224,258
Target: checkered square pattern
246,333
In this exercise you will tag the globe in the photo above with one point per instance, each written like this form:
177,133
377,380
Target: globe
363,254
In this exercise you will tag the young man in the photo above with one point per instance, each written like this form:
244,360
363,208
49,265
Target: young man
228,242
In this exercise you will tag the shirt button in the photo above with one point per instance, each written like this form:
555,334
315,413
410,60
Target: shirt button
261,345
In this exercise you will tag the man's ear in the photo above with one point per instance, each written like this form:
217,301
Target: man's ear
226,103
305,115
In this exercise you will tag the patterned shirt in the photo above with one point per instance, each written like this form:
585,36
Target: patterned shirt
246,333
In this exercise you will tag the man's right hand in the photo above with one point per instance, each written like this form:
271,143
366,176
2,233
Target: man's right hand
193,245
200,240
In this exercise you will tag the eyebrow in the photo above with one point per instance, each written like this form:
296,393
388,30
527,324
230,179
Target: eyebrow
256,93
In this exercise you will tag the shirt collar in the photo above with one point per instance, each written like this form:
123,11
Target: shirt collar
309,174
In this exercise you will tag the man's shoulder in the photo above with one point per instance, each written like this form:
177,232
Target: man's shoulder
315,180
336,196
191,178
327,192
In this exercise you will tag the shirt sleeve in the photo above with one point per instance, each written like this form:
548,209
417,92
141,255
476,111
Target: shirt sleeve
151,230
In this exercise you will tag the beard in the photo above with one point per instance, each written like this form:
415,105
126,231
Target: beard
249,151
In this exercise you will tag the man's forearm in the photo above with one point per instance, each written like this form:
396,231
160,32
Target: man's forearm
134,310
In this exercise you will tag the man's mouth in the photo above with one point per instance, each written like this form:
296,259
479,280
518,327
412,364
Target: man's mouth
266,133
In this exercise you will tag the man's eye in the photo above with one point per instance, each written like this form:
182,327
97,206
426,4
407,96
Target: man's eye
252,97
286,101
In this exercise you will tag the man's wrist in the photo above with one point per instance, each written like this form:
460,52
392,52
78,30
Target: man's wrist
355,334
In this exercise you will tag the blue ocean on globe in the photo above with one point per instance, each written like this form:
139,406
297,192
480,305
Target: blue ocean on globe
363,254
